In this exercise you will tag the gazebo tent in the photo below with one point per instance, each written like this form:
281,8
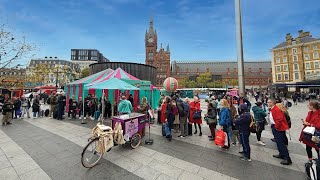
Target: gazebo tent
76,88
145,88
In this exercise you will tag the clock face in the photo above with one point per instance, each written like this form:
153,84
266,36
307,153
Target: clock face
150,40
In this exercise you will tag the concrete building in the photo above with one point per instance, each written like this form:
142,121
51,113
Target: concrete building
52,70
296,61
87,55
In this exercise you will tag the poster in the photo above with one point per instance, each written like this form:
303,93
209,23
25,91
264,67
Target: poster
132,127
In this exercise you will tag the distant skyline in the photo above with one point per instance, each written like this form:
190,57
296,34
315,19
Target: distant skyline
195,30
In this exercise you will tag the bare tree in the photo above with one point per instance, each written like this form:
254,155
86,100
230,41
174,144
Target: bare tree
13,47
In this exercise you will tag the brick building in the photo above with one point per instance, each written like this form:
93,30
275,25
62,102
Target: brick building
159,59
256,73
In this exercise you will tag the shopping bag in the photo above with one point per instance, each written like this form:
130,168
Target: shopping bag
226,139
309,130
220,138
167,129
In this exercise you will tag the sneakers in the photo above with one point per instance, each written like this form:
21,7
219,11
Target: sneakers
50,117
69,117
84,118
261,143
245,159
181,136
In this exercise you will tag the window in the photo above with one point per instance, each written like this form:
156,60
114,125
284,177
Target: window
295,58
305,49
150,55
315,55
295,67
277,53
286,76
306,57
294,50
308,73
316,65
294,42
277,60
279,77
284,59
284,52
315,47
307,65
285,67
278,68
296,75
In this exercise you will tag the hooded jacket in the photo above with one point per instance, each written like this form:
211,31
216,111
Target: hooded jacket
259,114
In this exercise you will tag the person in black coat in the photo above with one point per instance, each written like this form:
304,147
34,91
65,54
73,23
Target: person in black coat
61,104
243,124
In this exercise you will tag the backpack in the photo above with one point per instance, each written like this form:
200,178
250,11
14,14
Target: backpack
289,104
186,107
288,119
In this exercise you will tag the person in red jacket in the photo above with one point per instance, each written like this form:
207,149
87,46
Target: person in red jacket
163,109
195,106
279,126
312,119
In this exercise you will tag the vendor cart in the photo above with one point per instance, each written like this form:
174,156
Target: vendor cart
133,126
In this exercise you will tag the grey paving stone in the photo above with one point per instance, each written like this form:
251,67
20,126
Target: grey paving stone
37,174
162,157
8,174
164,168
165,177
141,158
185,175
5,164
26,167
185,165
146,172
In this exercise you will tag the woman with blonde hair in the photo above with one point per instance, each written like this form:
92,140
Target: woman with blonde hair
286,113
225,120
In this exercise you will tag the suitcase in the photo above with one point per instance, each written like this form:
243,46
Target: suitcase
46,113
163,130
96,115
189,129
312,169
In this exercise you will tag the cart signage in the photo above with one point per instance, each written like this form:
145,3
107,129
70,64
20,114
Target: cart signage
132,127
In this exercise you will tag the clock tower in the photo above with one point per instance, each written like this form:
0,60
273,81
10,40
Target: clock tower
151,44
159,59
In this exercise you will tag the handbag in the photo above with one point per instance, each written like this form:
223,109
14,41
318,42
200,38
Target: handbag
309,130
197,115
253,125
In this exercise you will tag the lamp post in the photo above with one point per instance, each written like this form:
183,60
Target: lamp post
239,47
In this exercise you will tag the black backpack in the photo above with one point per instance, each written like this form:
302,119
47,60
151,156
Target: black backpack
289,104
288,119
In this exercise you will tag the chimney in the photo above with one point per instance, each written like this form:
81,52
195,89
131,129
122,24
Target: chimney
300,33
289,39
50,57
306,34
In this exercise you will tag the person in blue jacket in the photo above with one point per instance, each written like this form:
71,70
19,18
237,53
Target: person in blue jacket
225,120
243,124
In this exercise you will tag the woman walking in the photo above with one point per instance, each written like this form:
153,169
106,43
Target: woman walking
260,118
225,120
312,119
195,114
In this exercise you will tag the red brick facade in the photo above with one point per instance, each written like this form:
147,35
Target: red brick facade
159,59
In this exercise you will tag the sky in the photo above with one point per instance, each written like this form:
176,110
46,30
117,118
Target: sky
197,30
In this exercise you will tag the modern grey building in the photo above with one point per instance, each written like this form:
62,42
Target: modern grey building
87,55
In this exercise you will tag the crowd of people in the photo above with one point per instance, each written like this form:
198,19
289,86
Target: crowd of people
234,117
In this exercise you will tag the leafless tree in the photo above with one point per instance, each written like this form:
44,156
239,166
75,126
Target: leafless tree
13,47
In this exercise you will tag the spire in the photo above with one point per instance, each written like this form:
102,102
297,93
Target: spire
161,46
168,49
151,30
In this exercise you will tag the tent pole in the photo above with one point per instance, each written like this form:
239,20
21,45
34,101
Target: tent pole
103,107
82,120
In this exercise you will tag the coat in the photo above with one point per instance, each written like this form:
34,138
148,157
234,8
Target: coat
314,119
163,112
279,119
225,117
243,123
194,106
259,114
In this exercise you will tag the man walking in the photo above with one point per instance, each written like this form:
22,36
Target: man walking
279,126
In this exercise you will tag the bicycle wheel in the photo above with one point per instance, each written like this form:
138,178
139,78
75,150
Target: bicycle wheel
89,156
135,140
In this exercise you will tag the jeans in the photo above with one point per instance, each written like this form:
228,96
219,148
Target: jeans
25,110
281,140
213,130
235,136
259,135
183,126
35,114
244,138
